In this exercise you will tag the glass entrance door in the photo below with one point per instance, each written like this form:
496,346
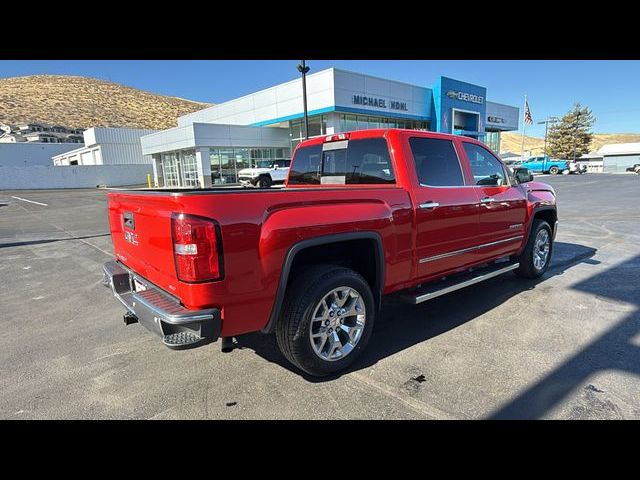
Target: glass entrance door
170,170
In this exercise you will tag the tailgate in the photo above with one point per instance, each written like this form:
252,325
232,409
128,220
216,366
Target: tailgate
141,234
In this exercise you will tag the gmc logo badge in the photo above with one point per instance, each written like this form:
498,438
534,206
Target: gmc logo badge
131,237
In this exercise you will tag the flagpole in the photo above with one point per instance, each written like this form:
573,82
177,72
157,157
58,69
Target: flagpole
524,123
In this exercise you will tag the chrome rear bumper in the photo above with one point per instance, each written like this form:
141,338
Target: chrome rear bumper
158,312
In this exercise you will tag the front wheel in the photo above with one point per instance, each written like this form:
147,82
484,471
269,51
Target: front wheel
264,182
554,170
327,319
536,256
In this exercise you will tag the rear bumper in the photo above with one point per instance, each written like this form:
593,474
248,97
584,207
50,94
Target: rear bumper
158,312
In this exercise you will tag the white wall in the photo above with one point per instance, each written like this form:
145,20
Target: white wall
280,101
25,154
34,177
214,135
102,135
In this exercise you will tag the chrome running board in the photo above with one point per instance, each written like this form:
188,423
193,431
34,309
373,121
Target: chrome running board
461,280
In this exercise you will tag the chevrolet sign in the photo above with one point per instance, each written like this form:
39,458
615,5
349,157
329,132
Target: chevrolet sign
465,97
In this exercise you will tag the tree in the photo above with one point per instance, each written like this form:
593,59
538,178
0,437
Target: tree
572,136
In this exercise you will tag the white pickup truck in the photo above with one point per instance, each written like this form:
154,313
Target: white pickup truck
265,173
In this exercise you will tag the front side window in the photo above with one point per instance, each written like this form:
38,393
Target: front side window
360,162
436,162
486,169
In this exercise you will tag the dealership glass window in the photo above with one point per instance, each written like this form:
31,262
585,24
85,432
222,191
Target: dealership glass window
169,164
189,167
359,122
228,166
492,140
436,162
317,127
214,160
243,158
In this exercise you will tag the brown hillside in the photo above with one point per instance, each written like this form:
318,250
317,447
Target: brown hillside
512,142
81,102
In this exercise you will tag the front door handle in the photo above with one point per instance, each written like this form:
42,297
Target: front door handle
429,205
487,200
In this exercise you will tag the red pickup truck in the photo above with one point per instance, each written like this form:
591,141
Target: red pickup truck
362,215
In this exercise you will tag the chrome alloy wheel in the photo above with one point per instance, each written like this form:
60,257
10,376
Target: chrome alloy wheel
337,323
541,249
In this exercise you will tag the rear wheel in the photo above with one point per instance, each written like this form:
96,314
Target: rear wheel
536,256
554,170
327,319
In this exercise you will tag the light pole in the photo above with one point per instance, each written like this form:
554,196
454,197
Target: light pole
546,129
303,69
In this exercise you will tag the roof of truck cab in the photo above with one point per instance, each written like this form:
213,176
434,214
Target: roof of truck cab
382,132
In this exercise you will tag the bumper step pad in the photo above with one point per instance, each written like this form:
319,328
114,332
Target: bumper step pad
181,340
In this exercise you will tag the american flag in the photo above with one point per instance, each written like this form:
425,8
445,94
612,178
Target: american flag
528,119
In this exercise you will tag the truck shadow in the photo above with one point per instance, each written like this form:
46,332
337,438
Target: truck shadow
616,350
400,325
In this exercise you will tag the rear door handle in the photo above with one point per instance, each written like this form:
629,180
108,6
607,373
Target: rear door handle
487,200
429,205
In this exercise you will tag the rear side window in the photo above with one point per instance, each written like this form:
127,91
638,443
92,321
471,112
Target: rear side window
362,162
305,167
436,162
487,169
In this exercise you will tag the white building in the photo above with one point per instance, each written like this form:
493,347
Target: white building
209,146
29,154
617,157
107,146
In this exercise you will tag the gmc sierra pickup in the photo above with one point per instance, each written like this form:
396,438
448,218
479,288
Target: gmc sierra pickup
362,215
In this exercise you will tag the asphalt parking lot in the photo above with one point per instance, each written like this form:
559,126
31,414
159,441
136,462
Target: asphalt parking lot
566,346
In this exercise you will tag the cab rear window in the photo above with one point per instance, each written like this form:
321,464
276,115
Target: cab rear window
354,162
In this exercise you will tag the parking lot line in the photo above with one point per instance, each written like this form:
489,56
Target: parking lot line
30,201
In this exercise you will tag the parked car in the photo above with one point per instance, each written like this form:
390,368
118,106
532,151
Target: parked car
635,168
362,215
265,173
544,164
577,168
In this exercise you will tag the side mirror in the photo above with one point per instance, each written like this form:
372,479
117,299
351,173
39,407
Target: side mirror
522,175
274,166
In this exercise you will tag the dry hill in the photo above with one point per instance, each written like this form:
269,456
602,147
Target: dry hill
81,102
512,142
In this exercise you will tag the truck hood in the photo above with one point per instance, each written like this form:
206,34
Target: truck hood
539,186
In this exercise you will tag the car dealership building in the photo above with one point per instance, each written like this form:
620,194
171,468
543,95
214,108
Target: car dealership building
210,146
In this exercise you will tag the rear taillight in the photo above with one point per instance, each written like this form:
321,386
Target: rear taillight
197,248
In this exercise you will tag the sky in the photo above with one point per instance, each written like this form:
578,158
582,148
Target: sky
608,87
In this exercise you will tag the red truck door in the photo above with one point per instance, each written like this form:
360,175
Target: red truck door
446,210
503,207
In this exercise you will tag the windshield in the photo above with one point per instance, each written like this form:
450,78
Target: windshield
264,164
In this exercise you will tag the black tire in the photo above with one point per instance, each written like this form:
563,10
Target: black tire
554,170
527,268
264,182
292,329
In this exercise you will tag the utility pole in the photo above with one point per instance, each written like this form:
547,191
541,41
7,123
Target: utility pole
546,122
303,69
